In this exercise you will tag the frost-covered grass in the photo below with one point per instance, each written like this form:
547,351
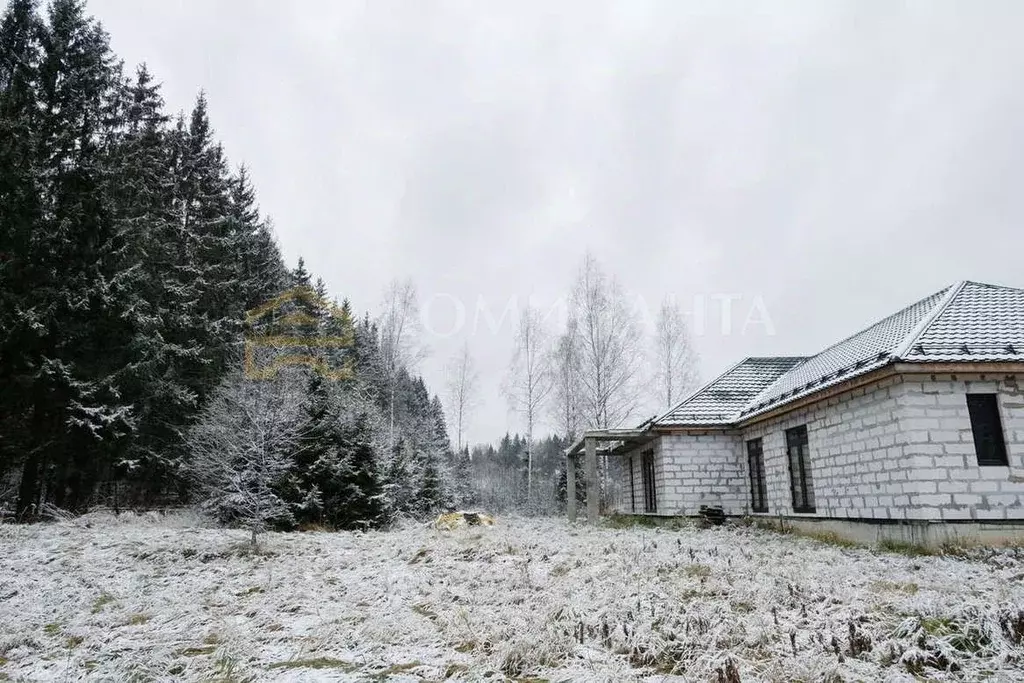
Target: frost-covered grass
154,599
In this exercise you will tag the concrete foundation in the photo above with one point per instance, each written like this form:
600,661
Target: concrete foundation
926,534
930,535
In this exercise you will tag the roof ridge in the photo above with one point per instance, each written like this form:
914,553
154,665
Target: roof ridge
989,284
876,323
783,378
926,321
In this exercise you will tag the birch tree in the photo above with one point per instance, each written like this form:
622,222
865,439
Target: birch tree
242,448
565,383
565,406
398,340
462,385
675,359
529,381
610,346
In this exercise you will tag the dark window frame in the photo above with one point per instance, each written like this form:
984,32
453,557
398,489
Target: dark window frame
987,430
755,468
801,483
647,477
632,485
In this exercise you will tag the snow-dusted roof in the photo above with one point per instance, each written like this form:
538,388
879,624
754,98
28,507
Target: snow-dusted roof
862,352
981,322
966,322
721,400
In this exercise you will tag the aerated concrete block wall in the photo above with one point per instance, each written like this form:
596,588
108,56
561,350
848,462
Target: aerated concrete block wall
856,450
936,425
902,449
705,469
691,470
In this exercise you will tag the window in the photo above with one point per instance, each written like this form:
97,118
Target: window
800,469
632,485
987,428
647,476
755,463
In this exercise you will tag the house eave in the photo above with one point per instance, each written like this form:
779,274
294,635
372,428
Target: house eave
822,394
923,367
695,429
974,367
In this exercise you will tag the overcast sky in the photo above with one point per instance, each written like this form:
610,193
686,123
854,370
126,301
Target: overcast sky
825,163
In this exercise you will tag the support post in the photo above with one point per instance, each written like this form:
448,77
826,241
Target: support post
593,485
570,486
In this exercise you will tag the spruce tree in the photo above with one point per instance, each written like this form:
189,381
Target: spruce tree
82,332
261,271
364,504
399,486
20,215
316,473
201,210
463,495
301,276
430,498
139,188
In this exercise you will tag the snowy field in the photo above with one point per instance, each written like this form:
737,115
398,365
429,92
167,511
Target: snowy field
142,599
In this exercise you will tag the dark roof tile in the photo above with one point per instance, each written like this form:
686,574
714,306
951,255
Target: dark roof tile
719,401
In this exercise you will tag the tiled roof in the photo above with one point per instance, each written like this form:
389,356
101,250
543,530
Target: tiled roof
719,401
867,350
965,322
980,323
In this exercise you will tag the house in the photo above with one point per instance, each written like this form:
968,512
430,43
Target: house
911,429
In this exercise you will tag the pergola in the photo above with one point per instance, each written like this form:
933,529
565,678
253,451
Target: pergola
595,442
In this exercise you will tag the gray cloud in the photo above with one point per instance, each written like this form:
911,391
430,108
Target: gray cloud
837,159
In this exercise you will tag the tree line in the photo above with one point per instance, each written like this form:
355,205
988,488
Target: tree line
133,256
131,251
594,370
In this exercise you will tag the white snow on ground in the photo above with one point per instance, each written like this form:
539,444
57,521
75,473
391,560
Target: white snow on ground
131,598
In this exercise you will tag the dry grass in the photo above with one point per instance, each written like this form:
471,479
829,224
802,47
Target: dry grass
525,599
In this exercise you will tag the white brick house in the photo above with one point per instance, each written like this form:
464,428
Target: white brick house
913,428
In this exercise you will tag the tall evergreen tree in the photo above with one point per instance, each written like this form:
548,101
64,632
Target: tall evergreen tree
316,471
129,257
160,344
20,214
201,206
79,346
399,489
430,498
463,494
260,268
364,506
